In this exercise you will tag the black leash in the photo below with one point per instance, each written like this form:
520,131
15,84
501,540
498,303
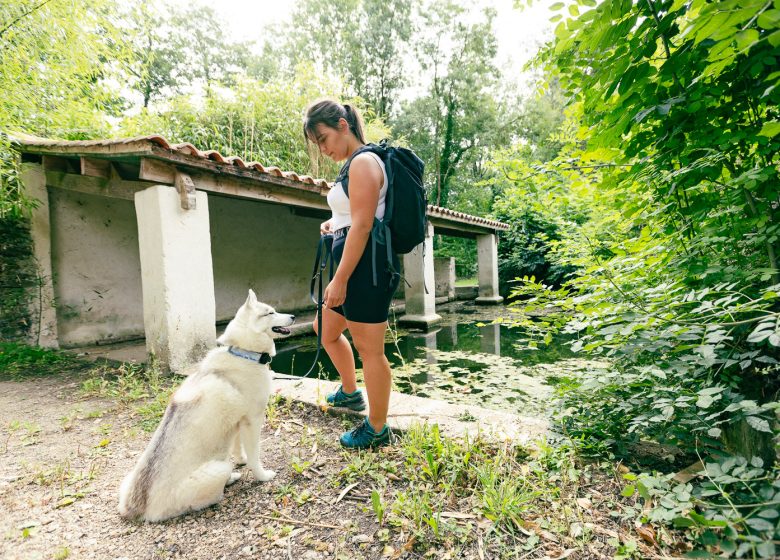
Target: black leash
324,258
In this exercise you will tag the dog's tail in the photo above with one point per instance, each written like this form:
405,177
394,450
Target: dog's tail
131,502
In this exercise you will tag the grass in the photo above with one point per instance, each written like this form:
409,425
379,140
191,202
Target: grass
141,387
19,361
466,281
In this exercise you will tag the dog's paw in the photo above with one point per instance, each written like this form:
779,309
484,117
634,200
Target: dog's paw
234,477
264,475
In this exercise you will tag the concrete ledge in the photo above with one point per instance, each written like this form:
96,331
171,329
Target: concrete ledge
454,420
420,321
489,300
466,292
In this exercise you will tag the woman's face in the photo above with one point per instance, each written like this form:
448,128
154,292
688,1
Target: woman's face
333,142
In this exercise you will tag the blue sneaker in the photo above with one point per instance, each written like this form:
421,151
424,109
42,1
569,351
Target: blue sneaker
363,436
353,401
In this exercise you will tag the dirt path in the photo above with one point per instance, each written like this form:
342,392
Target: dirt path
62,458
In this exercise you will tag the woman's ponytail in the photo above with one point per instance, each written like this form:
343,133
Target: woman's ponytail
354,121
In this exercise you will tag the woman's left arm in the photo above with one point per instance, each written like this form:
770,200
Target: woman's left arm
365,182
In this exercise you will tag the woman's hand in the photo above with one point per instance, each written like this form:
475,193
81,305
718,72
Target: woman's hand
325,227
335,292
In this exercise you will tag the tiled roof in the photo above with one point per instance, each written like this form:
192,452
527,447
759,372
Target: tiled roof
141,144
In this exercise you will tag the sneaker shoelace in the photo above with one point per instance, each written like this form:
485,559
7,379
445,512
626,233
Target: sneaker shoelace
357,430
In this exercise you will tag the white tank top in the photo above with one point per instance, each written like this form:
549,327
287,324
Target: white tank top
339,202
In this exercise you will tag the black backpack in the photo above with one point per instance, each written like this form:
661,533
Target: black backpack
406,203
403,226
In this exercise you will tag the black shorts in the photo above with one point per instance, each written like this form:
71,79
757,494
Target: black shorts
366,303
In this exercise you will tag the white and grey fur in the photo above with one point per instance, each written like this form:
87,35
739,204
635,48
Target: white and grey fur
219,409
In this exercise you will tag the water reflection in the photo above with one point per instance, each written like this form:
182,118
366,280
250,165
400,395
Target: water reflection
466,359
490,342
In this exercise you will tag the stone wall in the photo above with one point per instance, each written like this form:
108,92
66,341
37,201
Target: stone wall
96,266
18,281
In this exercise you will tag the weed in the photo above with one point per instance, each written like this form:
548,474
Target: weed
303,496
284,491
300,466
365,464
504,497
378,505
62,553
19,361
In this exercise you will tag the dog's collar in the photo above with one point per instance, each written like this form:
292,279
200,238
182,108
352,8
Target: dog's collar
259,357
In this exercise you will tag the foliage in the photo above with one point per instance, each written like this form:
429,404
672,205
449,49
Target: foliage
52,74
541,200
157,66
464,251
18,361
459,117
257,121
682,283
677,275
352,39
737,503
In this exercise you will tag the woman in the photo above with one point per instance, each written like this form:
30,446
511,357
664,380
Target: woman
352,300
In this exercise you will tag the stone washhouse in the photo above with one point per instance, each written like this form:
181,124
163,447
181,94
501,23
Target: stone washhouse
142,238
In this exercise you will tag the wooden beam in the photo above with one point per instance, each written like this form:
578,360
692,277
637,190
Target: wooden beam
157,171
243,185
218,186
215,168
94,185
94,167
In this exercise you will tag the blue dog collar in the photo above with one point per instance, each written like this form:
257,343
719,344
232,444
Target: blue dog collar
259,357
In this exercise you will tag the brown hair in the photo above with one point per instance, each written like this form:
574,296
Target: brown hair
328,112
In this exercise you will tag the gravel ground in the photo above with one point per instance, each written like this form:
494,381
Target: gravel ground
63,455
62,458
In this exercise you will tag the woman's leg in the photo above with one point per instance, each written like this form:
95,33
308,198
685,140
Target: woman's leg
338,348
369,340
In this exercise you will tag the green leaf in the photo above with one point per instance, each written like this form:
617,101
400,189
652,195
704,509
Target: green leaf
769,20
758,424
746,39
770,129
704,401
557,6
714,432
628,491
759,524
683,522
766,549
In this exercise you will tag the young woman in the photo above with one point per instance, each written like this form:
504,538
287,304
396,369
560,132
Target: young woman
353,300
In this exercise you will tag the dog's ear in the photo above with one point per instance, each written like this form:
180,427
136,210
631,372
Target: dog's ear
252,298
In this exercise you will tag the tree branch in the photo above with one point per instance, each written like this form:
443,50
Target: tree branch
24,15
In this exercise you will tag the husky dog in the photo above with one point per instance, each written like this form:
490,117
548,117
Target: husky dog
218,409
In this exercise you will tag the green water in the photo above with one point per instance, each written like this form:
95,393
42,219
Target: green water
464,360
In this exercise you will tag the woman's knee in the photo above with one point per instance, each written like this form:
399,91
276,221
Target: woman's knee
368,349
329,332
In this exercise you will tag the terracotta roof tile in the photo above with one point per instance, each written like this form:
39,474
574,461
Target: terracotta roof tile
185,148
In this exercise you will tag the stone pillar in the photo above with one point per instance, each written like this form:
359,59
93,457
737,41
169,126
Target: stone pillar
177,276
444,273
418,271
487,262
44,332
